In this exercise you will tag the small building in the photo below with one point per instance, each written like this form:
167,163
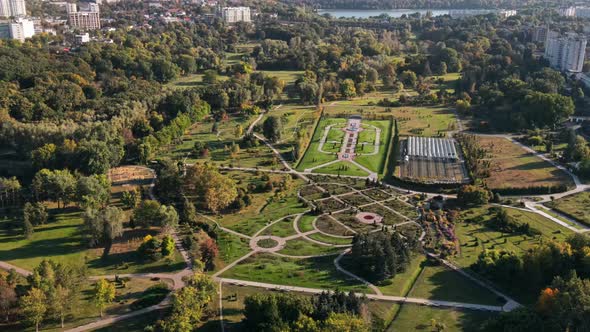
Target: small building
82,38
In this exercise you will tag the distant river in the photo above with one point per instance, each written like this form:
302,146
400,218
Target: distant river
366,13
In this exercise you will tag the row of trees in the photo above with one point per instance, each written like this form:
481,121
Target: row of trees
266,312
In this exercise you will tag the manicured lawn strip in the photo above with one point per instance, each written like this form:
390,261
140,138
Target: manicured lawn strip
329,239
401,284
438,282
343,168
134,324
302,247
413,317
575,206
316,272
305,224
281,228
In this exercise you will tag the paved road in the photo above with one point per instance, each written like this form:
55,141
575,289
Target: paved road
399,299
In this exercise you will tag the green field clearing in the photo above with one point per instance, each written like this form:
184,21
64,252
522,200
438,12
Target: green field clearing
316,272
413,317
303,247
342,167
437,282
288,76
283,228
305,224
231,247
575,206
63,241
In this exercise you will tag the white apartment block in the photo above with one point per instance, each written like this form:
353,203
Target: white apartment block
567,11
10,8
235,14
460,13
20,29
566,53
88,19
539,34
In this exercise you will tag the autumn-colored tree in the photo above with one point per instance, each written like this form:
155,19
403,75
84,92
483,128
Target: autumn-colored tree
208,185
188,304
208,250
33,306
546,300
103,294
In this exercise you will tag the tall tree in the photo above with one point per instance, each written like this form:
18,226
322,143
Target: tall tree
103,294
34,306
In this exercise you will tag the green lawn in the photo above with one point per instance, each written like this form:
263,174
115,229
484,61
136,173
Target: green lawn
575,206
283,228
313,272
413,317
342,168
63,240
376,163
303,247
437,282
231,247
305,224
330,239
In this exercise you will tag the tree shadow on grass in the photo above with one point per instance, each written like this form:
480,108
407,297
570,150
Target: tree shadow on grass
449,285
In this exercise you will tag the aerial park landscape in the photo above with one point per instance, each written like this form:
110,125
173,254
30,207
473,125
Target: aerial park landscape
302,173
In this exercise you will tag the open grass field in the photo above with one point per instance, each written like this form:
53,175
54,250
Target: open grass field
437,282
512,166
575,206
303,247
316,272
62,240
411,317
